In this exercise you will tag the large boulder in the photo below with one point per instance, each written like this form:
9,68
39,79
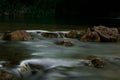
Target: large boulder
90,36
19,35
101,33
107,34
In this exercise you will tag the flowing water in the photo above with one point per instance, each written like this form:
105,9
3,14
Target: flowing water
45,51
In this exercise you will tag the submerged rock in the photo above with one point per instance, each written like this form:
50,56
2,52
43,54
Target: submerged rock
65,43
98,62
50,35
6,75
19,35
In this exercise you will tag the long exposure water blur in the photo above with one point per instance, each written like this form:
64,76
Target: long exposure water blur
16,52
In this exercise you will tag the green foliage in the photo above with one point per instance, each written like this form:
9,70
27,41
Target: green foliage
35,8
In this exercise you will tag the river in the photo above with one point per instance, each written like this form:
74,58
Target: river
17,52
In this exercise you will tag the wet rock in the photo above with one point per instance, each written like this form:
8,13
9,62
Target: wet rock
19,35
101,33
65,43
98,62
74,34
107,34
50,35
6,75
90,36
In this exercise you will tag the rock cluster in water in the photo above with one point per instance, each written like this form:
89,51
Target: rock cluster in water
36,66
94,34
101,34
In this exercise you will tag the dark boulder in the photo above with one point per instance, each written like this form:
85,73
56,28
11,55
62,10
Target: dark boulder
50,35
65,43
74,34
19,35
101,33
90,36
107,34
98,62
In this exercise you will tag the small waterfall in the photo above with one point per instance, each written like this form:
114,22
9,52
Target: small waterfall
60,35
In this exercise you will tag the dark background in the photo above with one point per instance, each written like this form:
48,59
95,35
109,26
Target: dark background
90,11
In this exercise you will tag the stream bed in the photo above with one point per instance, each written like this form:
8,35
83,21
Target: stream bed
65,63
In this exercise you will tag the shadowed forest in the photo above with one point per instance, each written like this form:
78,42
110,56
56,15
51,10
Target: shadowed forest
79,8
20,8
68,11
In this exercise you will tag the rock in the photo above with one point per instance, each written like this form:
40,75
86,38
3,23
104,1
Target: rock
101,33
50,35
19,35
98,62
74,34
6,75
64,43
90,36
107,34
